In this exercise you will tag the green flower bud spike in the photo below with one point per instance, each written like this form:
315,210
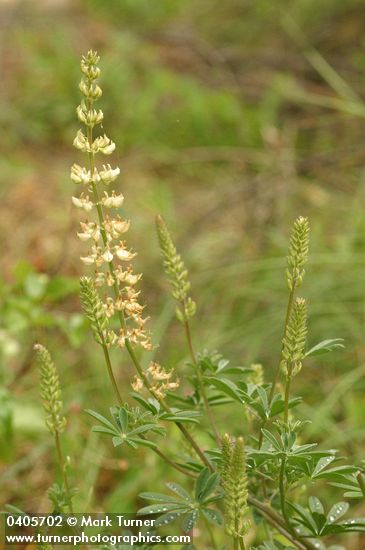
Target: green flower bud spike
176,272
52,404
95,312
295,339
50,391
298,252
293,351
234,482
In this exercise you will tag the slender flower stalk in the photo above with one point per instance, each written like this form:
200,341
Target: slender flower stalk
177,275
293,347
50,390
296,260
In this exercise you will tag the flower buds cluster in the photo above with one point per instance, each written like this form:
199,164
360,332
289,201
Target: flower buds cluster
159,379
176,272
234,482
50,391
108,253
295,339
298,252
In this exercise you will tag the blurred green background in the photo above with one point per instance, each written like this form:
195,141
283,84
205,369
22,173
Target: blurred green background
231,119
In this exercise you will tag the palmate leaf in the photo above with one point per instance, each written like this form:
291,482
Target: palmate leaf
319,524
183,504
120,434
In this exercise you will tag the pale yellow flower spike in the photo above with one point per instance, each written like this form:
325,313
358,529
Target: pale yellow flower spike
107,253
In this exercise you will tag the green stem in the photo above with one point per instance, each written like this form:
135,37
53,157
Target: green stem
242,544
282,490
287,317
157,451
172,463
278,522
111,374
277,372
235,543
201,383
287,395
63,471
211,534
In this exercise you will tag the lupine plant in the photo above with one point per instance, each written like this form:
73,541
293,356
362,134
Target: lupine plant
252,489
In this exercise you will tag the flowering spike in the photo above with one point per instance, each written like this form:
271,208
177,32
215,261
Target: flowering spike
295,339
50,391
175,271
234,482
95,312
107,253
298,252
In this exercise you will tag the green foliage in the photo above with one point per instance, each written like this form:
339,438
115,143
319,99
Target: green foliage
330,344
183,505
243,298
123,432
314,521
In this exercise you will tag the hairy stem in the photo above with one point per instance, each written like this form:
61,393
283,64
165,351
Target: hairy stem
282,489
157,451
279,524
201,383
287,396
211,534
277,372
63,471
111,374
